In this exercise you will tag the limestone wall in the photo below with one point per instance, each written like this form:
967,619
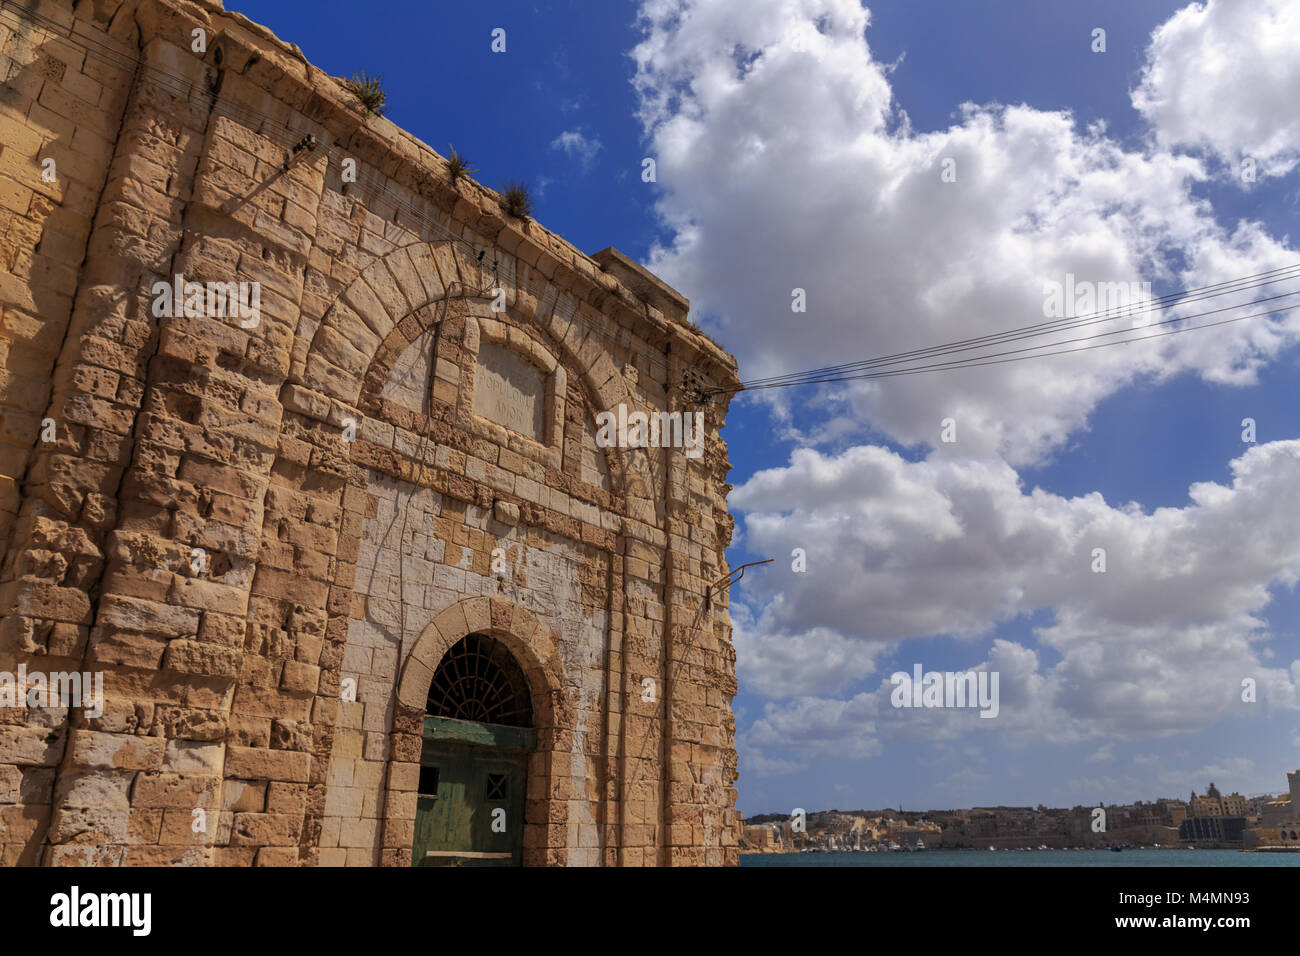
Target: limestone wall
239,523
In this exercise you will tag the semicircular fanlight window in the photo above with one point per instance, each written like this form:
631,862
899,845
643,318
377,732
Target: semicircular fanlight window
479,680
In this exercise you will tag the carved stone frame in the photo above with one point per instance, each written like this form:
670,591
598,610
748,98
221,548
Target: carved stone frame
548,453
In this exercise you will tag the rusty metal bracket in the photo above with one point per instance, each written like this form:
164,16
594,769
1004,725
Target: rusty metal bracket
304,145
725,582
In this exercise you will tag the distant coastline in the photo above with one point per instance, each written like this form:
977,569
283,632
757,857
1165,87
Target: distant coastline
1135,858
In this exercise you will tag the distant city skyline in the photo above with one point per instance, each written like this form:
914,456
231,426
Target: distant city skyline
1037,803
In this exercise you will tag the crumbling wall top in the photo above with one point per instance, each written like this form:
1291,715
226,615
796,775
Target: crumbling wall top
660,309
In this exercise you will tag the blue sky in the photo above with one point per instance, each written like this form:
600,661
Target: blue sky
770,180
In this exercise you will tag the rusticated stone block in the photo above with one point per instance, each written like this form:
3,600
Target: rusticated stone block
266,829
174,790
116,751
194,657
256,764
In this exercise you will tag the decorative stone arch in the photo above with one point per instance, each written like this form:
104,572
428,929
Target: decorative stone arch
535,650
379,308
338,351
530,342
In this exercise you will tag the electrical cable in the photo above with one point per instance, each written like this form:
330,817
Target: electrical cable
1192,295
1057,325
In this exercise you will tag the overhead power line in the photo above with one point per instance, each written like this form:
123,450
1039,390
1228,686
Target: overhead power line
880,367
1062,324
976,364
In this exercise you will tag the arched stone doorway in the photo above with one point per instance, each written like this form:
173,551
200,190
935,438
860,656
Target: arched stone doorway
518,640
478,733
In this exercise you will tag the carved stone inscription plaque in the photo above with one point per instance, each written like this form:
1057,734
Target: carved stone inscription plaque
510,390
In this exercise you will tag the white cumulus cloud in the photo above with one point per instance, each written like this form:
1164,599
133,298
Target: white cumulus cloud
1225,76
786,164
896,550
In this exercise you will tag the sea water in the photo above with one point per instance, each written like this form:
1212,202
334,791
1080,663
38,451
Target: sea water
1134,858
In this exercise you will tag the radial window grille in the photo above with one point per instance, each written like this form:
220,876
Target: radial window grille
479,680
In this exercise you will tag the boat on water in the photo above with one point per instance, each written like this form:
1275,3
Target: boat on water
920,844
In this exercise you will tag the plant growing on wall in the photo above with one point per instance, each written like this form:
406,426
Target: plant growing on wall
457,166
369,91
517,200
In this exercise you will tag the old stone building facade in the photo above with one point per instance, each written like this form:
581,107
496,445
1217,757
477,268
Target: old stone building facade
348,529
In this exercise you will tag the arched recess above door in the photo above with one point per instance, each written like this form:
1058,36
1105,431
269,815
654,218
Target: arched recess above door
396,297
479,679
517,629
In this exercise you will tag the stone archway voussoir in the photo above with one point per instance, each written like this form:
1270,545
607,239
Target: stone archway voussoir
413,690
451,623
369,308
429,648
478,614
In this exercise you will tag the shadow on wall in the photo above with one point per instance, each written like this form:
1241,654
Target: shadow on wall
49,194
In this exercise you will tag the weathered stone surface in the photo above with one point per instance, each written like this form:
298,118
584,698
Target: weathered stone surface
507,512
116,751
267,536
251,763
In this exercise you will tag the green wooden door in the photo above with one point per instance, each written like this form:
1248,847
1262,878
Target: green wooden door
470,807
